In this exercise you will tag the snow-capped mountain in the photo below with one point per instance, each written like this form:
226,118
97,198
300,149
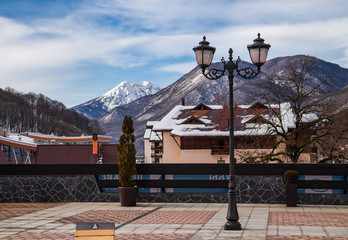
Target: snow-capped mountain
122,94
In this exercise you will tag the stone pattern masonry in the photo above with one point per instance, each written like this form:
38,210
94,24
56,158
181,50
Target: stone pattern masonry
84,188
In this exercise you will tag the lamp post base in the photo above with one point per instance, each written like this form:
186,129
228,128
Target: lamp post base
232,225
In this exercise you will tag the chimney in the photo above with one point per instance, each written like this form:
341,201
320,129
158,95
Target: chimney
183,101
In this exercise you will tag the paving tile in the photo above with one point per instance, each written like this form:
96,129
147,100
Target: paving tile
336,231
289,230
254,235
124,230
170,226
176,217
336,219
191,226
313,231
152,226
143,230
328,208
230,234
165,231
272,230
186,231
211,227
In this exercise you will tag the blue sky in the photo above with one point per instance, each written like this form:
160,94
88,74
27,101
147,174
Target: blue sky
76,50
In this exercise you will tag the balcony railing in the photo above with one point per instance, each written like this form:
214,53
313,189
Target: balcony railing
219,150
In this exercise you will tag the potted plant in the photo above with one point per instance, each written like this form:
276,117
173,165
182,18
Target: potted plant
291,184
128,191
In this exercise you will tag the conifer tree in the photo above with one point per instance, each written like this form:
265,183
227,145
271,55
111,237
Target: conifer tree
127,152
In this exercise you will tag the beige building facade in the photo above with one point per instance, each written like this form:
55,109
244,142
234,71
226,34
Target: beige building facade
200,134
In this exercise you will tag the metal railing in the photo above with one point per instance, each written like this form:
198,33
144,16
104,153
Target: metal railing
187,169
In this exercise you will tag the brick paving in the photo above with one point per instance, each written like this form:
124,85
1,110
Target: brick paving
152,236
304,238
177,217
182,221
9,210
122,236
41,236
308,219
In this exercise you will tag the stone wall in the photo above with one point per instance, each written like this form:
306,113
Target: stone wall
84,188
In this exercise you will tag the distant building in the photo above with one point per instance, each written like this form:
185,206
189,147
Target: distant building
200,134
75,154
37,148
153,144
40,138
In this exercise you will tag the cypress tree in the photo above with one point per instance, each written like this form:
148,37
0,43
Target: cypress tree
127,152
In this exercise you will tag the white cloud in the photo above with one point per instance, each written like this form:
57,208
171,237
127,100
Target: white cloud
182,68
51,53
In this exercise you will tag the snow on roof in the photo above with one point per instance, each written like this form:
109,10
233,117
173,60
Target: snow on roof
20,141
81,138
309,117
150,134
171,119
156,136
147,133
214,121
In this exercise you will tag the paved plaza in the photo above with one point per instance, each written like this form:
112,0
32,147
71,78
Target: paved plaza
173,221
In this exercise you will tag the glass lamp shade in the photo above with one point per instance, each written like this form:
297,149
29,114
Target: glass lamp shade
258,51
204,54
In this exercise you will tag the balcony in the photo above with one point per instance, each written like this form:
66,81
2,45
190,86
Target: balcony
219,150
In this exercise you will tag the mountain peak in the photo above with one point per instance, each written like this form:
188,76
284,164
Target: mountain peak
122,94
146,83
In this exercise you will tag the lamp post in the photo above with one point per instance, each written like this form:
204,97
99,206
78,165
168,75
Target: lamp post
204,56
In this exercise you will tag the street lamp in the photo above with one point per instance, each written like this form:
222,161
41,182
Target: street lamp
204,56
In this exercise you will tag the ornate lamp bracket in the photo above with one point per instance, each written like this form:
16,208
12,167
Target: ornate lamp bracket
248,72
230,67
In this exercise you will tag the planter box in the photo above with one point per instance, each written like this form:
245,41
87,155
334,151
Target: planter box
128,195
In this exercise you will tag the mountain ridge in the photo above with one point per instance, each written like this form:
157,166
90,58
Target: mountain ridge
21,112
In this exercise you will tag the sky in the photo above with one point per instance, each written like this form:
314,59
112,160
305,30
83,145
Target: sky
76,50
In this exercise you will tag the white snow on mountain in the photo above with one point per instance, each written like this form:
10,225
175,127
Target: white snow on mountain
122,94
127,92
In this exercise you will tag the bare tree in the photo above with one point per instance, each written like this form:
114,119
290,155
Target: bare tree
333,146
298,85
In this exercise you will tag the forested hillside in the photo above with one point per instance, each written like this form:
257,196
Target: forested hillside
32,112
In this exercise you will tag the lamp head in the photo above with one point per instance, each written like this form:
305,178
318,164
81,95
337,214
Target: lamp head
204,54
258,51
